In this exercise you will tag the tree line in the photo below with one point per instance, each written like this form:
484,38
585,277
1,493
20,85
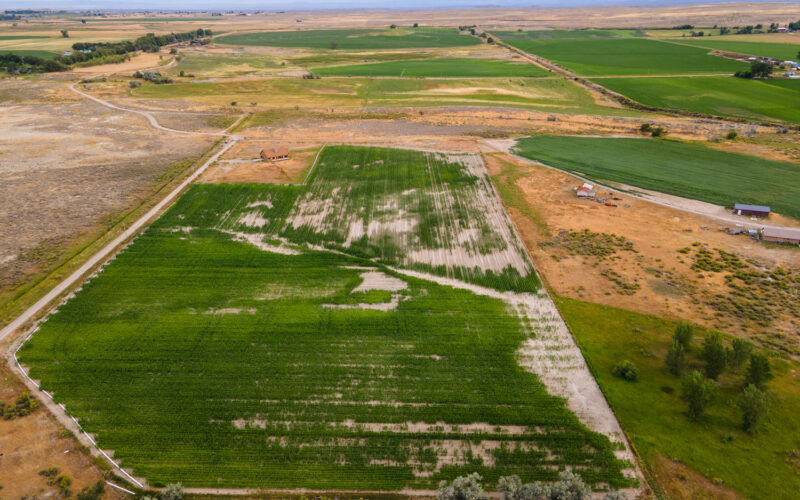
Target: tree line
95,53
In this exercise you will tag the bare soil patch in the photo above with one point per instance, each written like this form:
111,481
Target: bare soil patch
243,164
683,483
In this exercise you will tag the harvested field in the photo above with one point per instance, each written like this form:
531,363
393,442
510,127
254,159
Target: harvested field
242,164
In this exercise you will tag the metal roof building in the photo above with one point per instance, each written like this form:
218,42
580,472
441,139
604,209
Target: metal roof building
781,235
744,209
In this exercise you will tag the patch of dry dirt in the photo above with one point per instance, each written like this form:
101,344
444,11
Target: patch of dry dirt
683,483
243,164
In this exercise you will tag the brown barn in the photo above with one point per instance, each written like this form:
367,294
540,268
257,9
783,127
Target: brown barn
275,154
756,210
781,235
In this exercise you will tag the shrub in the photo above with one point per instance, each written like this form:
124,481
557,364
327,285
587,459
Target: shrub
699,392
646,127
759,371
683,334
731,135
753,403
658,132
462,488
93,492
134,84
627,370
172,492
676,358
182,73
714,355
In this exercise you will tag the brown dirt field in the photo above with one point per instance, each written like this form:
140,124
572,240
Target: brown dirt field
240,169
683,483
668,285
137,62
66,169
32,443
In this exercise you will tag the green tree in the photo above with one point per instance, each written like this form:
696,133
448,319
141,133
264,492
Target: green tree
462,488
759,372
683,334
714,355
699,392
569,486
64,34
753,403
676,358
740,353
627,370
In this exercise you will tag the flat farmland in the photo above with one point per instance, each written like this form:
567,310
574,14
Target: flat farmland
716,95
546,94
676,168
625,56
215,352
780,51
401,38
437,68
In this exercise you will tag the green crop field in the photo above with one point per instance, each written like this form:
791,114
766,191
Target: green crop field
401,38
655,418
214,352
437,68
626,56
716,95
780,51
564,34
676,168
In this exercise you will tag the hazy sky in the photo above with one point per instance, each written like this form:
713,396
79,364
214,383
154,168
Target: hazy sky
290,5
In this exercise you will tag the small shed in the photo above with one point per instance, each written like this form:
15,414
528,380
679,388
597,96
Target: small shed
757,210
584,192
275,153
781,235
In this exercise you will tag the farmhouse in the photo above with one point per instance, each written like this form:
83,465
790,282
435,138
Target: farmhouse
757,210
275,154
781,235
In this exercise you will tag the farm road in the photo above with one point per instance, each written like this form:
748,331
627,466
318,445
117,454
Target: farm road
695,207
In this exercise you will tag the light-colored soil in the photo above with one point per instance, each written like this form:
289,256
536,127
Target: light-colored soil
657,233
244,165
137,62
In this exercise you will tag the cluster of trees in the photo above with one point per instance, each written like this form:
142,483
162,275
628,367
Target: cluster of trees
569,486
14,64
794,26
700,390
147,43
758,69
646,128
151,76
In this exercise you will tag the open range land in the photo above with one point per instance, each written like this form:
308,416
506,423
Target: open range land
418,292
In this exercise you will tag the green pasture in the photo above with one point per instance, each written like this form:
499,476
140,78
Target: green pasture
437,68
780,51
725,96
627,56
681,169
400,38
655,417
208,361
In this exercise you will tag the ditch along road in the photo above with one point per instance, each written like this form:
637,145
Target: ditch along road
38,309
